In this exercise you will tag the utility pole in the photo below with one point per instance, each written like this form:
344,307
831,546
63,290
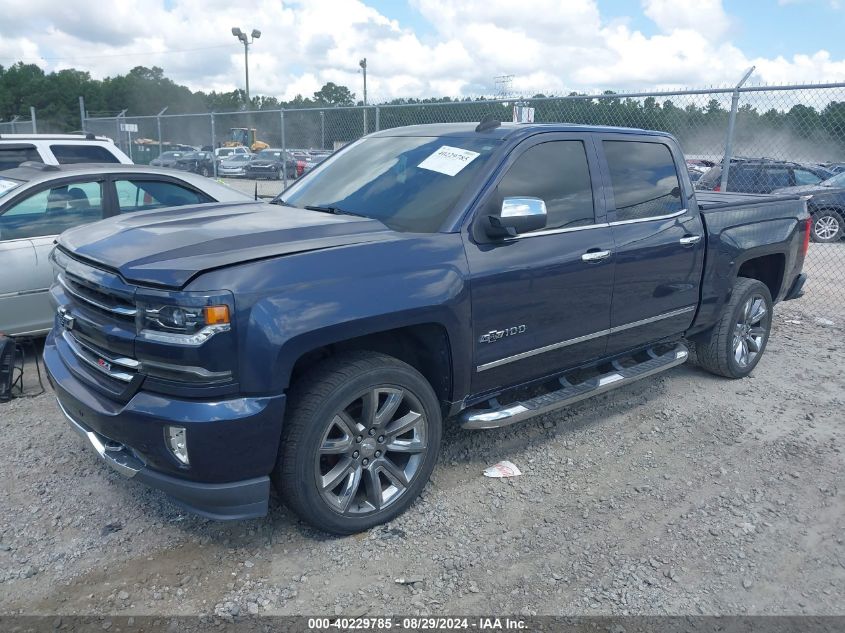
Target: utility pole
236,31
363,65
82,113
158,124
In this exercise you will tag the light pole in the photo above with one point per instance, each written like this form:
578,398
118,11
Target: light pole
246,41
363,65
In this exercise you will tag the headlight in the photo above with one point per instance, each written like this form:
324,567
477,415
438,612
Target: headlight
184,325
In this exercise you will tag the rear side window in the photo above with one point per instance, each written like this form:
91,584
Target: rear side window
557,173
776,178
11,157
745,179
69,154
142,195
644,179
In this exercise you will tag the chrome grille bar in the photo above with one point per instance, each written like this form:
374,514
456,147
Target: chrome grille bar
99,361
126,312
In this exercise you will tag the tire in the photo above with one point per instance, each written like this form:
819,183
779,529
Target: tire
827,226
205,171
736,343
338,467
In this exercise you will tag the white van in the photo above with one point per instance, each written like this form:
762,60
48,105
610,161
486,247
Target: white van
58,149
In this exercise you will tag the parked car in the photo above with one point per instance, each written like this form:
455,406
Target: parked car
233,166
760,175
269,163
834,168
826,203
222,153
421,272
38,202
168,159
201,163
58,149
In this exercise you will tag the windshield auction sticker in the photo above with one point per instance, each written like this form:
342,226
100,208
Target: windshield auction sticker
7,185
448,160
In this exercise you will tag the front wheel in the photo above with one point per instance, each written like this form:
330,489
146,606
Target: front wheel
360,441
205,171
736,343
827,226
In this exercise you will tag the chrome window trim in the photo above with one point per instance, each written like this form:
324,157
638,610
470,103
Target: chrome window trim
649,219
602,225
599,225
23,293
582,339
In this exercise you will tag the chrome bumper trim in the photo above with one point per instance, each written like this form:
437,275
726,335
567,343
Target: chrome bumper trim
114,454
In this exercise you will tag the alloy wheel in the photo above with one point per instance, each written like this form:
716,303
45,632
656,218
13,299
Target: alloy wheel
750,331
371,451
826,227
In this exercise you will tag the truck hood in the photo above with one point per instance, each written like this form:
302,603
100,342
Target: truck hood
168,248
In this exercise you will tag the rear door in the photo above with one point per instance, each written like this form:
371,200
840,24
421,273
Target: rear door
538,306
659,241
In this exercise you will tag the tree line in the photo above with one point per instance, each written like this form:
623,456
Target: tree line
145,91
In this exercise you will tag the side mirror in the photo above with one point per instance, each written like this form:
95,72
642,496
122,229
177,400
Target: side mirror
518,215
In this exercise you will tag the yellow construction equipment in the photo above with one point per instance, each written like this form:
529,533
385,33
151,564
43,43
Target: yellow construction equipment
246,137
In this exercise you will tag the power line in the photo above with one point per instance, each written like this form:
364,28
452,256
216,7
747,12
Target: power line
56,59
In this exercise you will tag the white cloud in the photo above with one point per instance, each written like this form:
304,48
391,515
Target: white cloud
548,45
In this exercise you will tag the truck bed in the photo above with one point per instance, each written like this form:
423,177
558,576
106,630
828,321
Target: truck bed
712,200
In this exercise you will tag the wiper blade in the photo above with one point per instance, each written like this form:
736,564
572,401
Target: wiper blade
333,210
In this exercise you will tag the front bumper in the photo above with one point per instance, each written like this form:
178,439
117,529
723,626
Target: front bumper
232,444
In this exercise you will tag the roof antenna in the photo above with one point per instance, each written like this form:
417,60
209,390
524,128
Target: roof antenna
489,122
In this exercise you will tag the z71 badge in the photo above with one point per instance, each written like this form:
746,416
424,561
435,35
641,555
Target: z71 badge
494,335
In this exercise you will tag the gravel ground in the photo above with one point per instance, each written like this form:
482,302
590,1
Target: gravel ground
682,494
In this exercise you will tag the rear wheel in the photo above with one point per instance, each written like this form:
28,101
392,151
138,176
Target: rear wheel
828,226
360,441
737,342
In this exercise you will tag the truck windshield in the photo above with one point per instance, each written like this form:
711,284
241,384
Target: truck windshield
409,183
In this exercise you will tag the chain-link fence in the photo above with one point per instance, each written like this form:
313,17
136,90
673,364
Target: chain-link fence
19,125
775,136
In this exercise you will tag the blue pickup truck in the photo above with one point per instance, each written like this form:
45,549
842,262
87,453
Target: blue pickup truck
477,274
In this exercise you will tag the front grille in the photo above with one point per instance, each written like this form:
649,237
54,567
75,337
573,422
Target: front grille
97,297
115,367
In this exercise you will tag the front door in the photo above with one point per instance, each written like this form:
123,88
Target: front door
41,216
659,243
541,300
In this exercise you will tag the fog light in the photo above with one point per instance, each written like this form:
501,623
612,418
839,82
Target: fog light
177,440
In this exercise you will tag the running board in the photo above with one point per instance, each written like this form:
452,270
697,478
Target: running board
494,417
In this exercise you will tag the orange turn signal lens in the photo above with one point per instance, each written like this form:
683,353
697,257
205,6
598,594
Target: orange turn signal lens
216,315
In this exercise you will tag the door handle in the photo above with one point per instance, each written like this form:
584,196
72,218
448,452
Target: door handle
595,256
689,240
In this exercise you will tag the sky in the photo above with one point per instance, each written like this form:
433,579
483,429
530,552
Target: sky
423,48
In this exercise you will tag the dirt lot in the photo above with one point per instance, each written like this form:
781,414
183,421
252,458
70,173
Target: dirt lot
684,493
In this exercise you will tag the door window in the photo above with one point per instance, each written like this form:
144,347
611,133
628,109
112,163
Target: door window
557,173
644,179
804,177
142,195
70,154
52,211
